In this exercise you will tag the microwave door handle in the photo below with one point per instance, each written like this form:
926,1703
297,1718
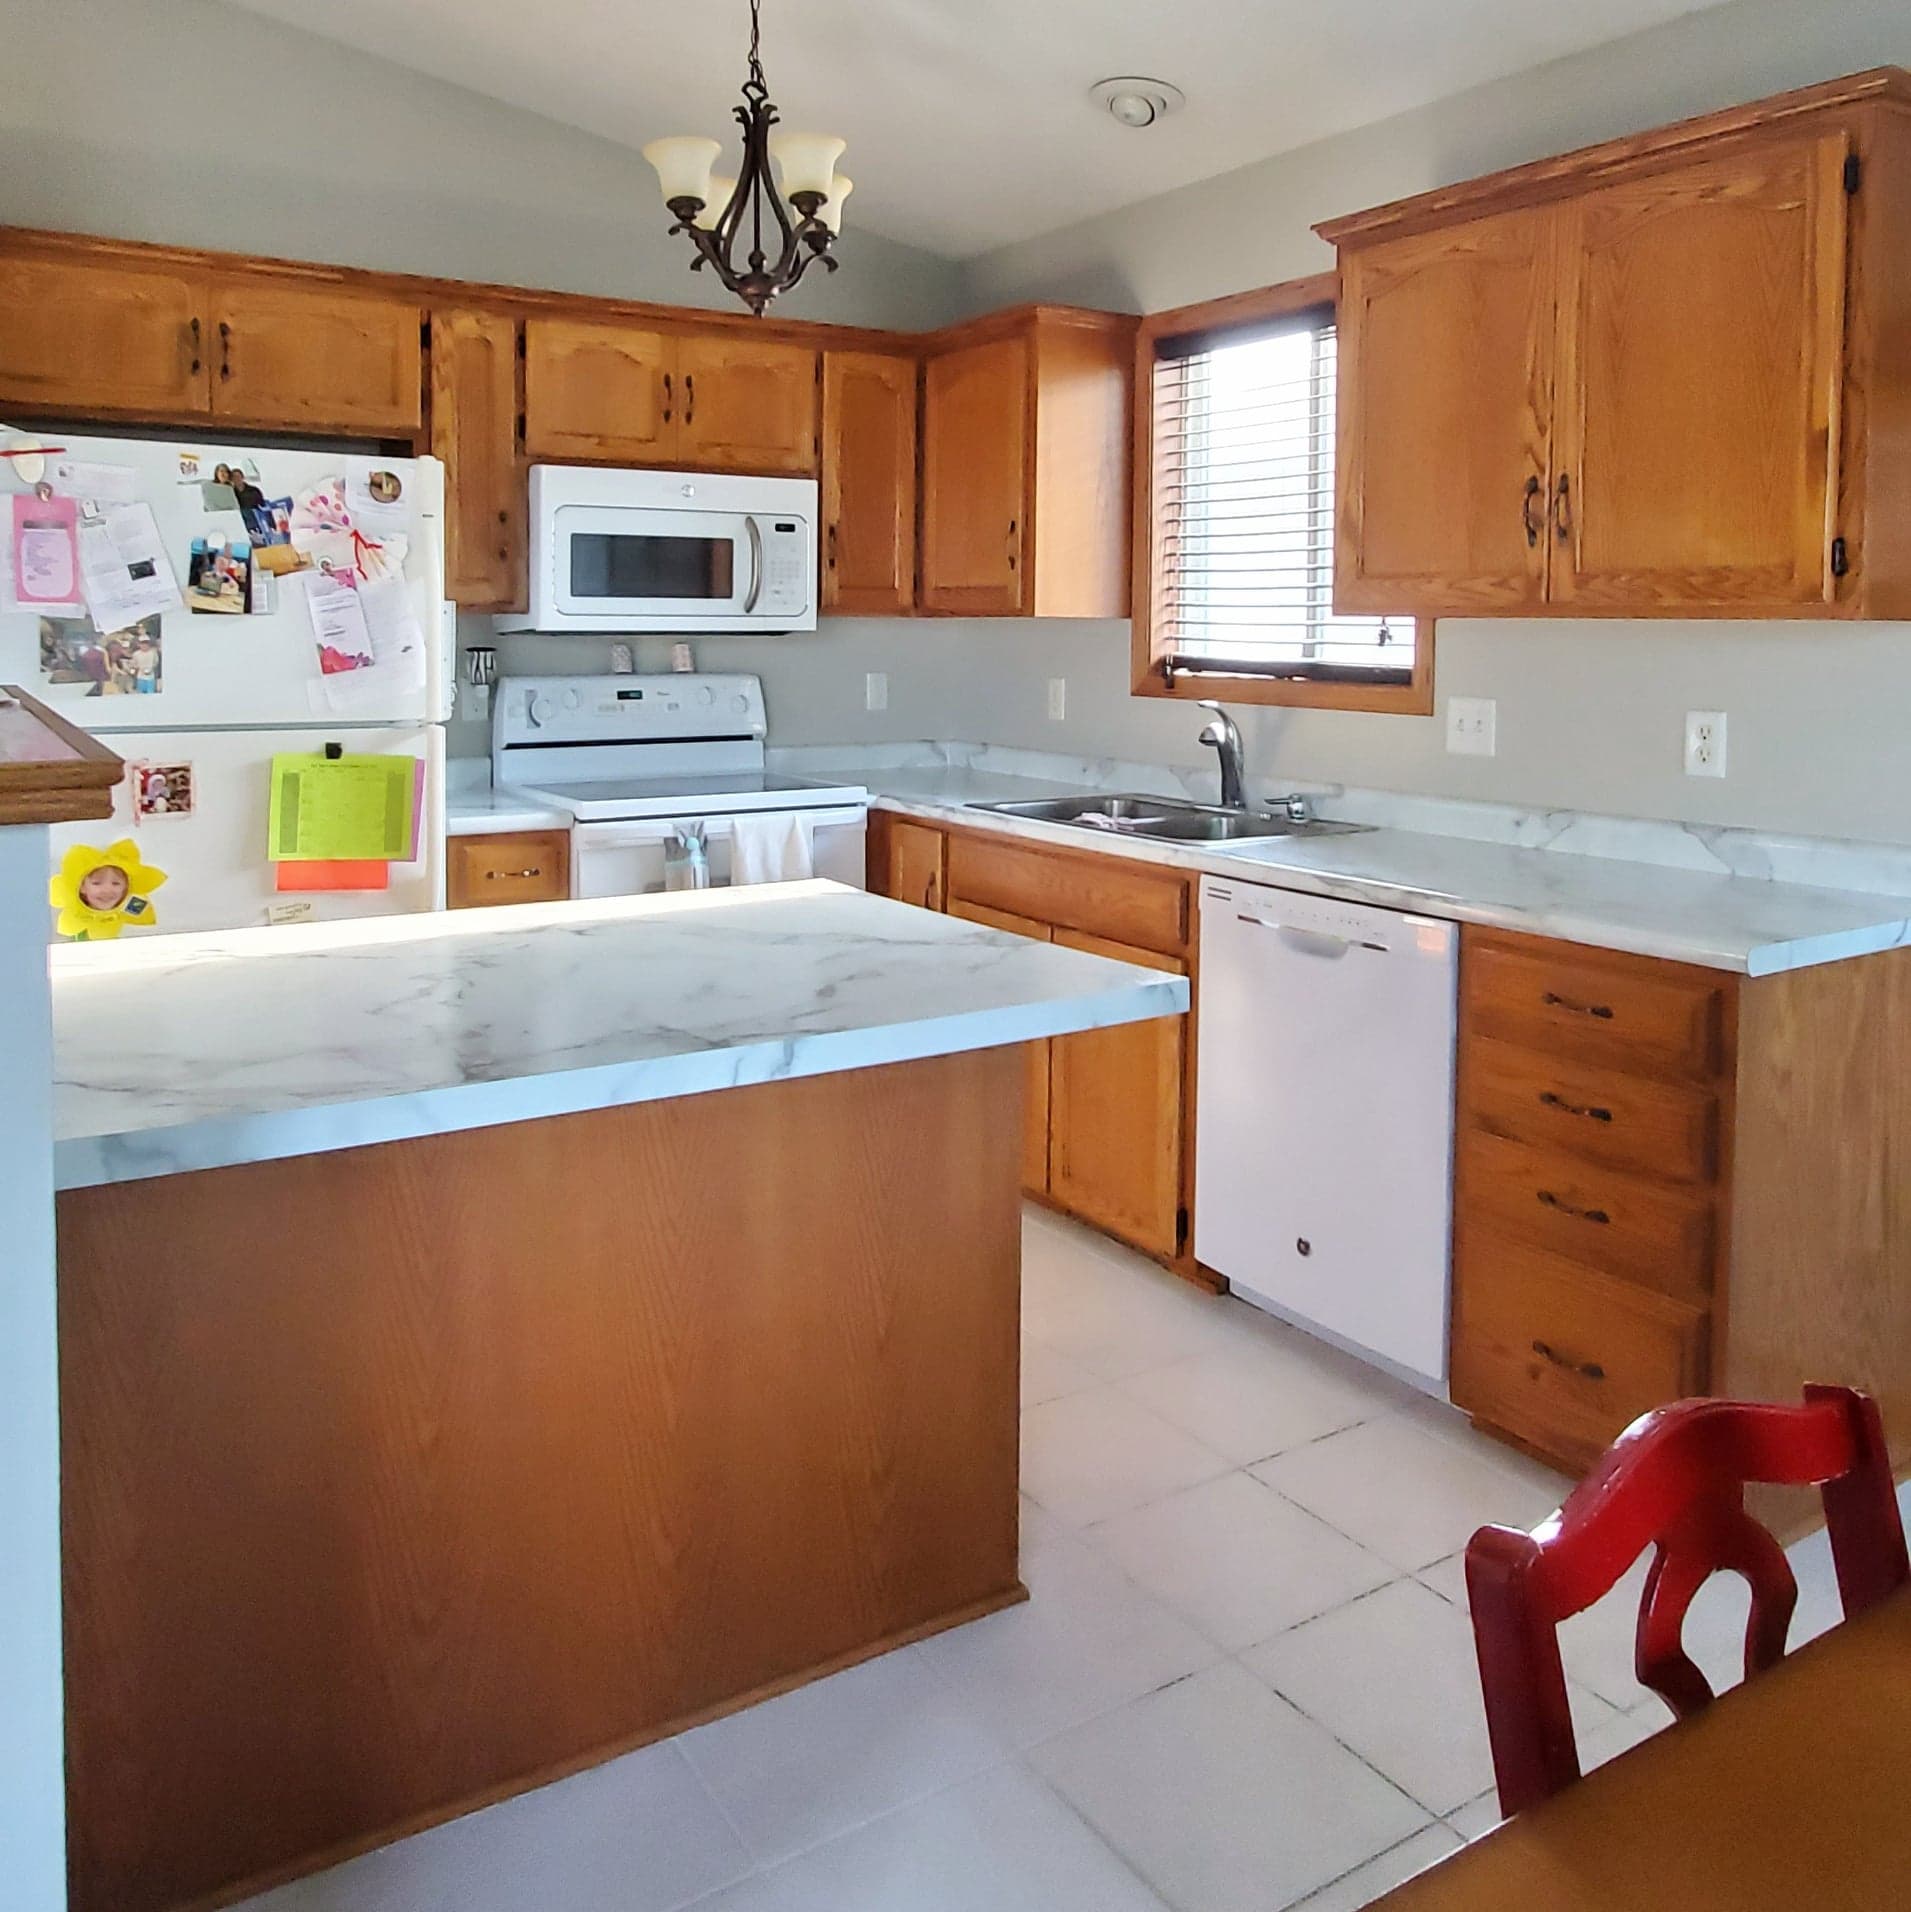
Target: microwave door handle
756,564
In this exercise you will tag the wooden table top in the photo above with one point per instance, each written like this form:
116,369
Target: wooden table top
1792,1791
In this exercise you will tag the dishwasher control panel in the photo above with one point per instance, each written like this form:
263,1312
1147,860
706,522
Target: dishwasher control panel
1360,924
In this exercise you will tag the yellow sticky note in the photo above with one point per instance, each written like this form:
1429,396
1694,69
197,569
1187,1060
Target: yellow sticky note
349,808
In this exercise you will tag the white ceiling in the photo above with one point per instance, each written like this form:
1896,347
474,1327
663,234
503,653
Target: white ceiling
967,120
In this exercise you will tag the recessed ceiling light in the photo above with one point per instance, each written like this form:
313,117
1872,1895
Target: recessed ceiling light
1136,101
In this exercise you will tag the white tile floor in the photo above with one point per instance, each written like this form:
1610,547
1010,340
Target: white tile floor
1244,1680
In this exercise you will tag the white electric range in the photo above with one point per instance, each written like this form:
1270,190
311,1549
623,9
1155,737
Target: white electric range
634,761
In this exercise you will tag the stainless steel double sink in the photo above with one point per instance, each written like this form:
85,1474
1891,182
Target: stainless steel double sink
1166,819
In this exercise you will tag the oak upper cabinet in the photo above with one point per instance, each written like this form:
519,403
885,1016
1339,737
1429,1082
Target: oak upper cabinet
1442,435
1647,379
96,337
474,430
746,404
869,483
975,529
1701,363
314,356
599,391
1026,420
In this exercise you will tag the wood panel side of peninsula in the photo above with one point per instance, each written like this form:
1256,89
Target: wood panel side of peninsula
399,1479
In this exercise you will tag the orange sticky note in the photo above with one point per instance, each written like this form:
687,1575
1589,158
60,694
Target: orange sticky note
368,874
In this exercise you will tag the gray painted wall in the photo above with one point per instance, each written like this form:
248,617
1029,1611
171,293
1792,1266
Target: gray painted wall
1591,715
104,137
193,123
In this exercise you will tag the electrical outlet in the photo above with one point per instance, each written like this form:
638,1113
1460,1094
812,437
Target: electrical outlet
876,691
1057,698
473,700
1471,725
1705,743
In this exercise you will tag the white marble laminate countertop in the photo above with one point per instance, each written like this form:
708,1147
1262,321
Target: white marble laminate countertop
190,1052
1744,924
486,812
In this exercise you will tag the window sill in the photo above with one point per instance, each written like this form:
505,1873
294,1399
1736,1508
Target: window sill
1300,693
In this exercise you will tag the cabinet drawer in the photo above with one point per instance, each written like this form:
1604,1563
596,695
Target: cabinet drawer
530,866
1619,1012
1598,1216
1664,1129
1564,1358
1104,896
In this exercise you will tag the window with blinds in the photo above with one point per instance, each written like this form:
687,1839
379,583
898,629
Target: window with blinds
1243,573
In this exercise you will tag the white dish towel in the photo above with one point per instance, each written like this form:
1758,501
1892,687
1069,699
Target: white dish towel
772,847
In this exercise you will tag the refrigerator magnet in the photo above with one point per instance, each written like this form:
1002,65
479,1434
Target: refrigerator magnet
98,893
161,789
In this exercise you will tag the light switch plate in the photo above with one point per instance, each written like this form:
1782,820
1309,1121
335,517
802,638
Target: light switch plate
1058,698
876,690
1471,726
1705,743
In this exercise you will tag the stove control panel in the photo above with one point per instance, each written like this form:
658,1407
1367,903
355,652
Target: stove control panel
682,708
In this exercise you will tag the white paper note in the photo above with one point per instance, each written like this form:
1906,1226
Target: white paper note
124,569
376,496
95,485
338,625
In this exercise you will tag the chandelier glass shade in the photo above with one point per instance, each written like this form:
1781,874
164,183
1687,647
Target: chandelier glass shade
759,240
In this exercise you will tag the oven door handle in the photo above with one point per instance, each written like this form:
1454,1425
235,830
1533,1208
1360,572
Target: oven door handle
755,534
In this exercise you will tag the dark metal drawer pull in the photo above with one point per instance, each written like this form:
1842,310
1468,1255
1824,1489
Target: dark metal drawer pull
1591,1111
1591,1370
1528,522
1599,1009
1547,1199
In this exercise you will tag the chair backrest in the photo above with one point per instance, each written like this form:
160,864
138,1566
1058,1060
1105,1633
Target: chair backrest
1674,1480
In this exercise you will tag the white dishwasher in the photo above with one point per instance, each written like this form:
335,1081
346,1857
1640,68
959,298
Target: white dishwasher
1324,1118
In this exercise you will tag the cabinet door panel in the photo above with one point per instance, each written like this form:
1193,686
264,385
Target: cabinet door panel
746,405
1445,351
1115,1117
1701,362
474,407
869,482
913,863
975,531
1036,1055
599,391
315,357
98,338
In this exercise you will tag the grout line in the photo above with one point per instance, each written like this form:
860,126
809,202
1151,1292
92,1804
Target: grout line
1293,1905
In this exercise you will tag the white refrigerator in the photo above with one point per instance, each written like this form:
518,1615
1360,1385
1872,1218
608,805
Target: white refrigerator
199,701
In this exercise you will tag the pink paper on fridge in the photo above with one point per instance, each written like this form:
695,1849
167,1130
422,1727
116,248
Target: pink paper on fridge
46,551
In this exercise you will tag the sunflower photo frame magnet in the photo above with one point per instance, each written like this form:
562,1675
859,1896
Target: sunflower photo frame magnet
100,892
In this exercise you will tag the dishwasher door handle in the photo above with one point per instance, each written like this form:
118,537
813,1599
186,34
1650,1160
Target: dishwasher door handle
1310,942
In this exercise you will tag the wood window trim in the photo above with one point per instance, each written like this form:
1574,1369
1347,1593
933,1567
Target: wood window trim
1292,296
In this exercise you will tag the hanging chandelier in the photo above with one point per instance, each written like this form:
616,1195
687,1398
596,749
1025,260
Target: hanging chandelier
716,212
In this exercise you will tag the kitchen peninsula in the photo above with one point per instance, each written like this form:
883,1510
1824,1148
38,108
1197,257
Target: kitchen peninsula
493,1341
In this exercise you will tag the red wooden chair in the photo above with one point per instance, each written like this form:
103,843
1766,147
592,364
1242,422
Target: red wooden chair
1676,1479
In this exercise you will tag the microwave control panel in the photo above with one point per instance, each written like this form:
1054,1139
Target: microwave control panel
786,565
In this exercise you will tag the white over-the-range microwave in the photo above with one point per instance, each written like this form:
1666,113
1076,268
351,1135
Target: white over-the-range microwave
687,552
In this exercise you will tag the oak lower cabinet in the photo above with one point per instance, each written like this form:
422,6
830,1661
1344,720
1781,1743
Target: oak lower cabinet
1673,1180
1109,1114
869,483
1039,1056
474,430
507,866
1026,453
1645,379
1115,1150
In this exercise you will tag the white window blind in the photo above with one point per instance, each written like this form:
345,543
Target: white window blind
1244,513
